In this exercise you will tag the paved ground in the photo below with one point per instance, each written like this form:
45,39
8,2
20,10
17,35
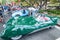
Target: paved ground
47,34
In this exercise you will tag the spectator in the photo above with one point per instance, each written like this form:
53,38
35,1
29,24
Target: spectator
1,10
9,5
6,8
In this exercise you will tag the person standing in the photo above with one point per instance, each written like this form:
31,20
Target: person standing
1,10
1,13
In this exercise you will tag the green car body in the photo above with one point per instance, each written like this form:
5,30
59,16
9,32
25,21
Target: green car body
24,25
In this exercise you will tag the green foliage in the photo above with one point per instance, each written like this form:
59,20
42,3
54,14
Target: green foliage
16,0
51,12
41,11
54,11
22,0
25,4
3,2
53,1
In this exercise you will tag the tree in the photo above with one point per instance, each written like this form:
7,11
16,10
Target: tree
42,3
53,1
3,2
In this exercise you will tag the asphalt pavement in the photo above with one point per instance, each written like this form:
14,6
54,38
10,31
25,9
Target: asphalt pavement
47,34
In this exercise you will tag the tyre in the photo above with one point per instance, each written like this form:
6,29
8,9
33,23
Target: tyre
50,27
16,38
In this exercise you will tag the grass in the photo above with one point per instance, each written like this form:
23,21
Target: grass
51,12
55,4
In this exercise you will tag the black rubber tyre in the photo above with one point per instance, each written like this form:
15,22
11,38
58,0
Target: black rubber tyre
51,27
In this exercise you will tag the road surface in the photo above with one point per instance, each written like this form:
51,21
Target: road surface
48,34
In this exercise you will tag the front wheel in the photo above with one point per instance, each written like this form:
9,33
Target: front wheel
50,27
16,38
